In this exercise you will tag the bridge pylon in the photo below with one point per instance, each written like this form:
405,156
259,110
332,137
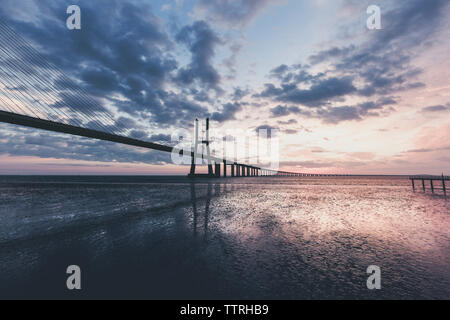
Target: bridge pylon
196,143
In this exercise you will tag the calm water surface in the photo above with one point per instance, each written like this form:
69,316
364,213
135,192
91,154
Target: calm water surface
242,238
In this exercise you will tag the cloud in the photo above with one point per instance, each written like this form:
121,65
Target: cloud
271,130
318,94
239,94
201,41
280,111
228,112
424,150
56,146
290,121
232,12
377,68
331,53
334,115
438,108
297,73
230,62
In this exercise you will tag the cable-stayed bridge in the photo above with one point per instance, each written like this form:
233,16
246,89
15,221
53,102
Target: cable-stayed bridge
35,93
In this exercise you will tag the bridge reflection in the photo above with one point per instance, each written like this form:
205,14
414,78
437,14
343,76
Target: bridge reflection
197,200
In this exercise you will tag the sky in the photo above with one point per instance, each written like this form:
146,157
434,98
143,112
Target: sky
344,98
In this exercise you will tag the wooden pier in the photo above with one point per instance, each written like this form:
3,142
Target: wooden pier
435,182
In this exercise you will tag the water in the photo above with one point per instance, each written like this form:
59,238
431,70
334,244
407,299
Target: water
242,238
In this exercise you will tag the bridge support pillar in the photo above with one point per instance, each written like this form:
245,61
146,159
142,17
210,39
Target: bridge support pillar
232,170
224,168
217,170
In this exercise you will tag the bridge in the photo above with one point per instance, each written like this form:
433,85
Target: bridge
40,95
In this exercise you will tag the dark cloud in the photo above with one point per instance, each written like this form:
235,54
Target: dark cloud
297,73
280,111
271,130
338,114
239,94
228,112
201,41
335,115
332,53
279,71
437,108
318,94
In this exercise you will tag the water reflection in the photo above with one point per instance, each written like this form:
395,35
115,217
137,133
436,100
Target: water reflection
206,211
219,190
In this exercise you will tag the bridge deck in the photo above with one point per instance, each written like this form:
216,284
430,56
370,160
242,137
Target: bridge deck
27,121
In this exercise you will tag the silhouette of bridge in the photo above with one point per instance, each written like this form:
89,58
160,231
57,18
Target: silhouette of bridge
35,93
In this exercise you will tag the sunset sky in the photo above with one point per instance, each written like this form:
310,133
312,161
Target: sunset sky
344,98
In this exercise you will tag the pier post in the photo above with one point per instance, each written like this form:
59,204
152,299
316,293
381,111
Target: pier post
431,184
423,184
232,170
413,186
443,186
